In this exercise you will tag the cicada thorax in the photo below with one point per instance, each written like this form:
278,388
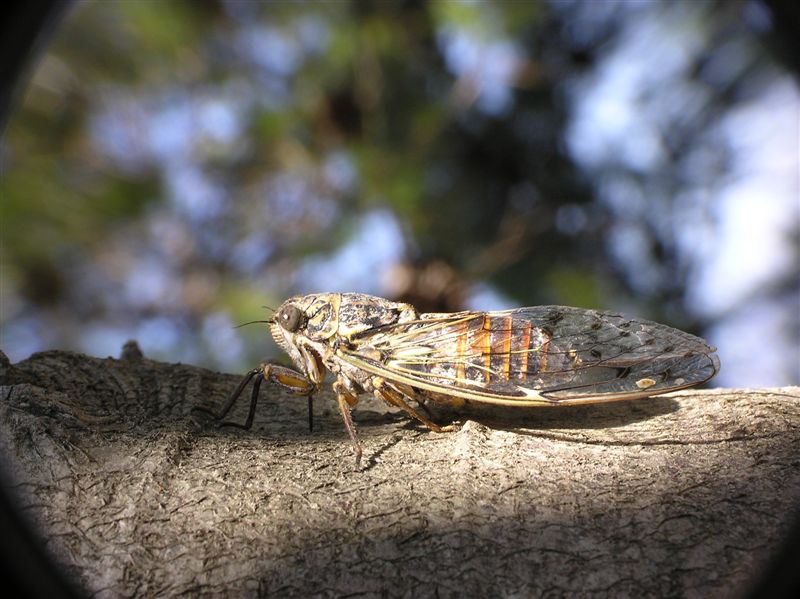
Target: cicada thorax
322,316
358,313
312,328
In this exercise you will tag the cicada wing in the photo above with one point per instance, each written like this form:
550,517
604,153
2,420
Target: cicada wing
542,355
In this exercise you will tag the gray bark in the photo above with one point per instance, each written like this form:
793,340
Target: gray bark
136,495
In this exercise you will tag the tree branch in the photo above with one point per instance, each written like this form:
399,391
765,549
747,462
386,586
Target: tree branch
136,494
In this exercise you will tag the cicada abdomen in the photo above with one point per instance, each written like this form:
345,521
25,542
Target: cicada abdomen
546,355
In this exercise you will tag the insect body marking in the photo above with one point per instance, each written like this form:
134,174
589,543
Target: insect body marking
485,336
501,348
497,348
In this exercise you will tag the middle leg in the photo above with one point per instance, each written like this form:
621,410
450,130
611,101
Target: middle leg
346,400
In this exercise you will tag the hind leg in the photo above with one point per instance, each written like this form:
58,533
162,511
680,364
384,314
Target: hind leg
394,397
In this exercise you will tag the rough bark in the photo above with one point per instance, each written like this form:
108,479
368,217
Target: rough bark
135,494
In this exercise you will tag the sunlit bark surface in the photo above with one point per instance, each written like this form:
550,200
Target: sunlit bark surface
136,494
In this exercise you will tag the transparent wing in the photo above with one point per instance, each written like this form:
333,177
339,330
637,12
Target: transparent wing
542,355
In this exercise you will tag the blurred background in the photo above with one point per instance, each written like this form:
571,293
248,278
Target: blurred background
173,167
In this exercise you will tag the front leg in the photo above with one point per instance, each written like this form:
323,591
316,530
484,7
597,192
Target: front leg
287,378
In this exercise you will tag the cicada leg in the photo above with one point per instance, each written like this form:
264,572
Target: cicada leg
394,397
346,399
288,379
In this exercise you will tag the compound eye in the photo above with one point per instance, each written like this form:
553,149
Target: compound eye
289,318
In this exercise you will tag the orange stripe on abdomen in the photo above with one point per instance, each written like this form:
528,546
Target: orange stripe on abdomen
522,350
461,350
507,342
499,341
486,346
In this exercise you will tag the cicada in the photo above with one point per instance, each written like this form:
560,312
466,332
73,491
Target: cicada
526,357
